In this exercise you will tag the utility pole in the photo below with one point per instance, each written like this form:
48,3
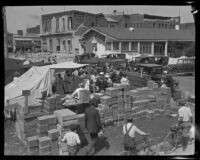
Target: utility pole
5,33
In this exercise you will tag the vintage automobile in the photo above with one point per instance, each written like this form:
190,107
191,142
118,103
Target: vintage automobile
86,58
161,60
116,60
156,72
183,66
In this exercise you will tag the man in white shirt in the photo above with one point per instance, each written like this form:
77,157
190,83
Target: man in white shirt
76,93
130,129
185,119
73,140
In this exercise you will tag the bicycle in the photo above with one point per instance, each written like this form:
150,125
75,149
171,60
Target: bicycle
149,147
174,138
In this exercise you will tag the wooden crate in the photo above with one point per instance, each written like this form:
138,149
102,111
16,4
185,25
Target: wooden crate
32,141
44,142
84,96
106,100
112,92
65,114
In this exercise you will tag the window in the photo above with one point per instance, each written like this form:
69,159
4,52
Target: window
64,46
145,48
57,24
58,45
108,45
153,25
69,46
125,46
69,23
165,25
174,26
140,25
63,21
134,46
116,46
94,45
159,25
126,25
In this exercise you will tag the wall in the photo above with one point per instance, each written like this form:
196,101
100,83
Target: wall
101,21
100,43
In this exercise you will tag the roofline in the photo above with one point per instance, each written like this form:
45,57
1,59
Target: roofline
98,32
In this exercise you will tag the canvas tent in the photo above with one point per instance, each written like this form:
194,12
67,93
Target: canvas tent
36,79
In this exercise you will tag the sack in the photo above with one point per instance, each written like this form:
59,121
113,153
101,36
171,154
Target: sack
129,141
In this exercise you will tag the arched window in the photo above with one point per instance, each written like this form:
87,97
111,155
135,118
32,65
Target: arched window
63,21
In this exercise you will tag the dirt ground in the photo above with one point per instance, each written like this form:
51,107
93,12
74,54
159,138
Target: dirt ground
112,145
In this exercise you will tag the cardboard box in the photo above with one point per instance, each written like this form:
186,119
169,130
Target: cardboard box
52,119
33,150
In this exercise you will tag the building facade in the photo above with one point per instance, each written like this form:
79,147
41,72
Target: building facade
58,30
105,40
145,21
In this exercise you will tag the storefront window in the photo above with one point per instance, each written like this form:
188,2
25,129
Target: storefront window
108,45
145,48
134,46
125,46
116,46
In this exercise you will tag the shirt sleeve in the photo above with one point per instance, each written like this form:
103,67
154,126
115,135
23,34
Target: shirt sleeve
64,138
75,92
139,131
78,139
124,130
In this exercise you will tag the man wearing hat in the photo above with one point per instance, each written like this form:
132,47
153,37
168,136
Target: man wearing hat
129,130
185,118
92,124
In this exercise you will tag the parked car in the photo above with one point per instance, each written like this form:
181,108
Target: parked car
156,72
160,60
183,66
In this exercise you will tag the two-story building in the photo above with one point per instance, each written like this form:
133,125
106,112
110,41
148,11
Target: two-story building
59,30
144,21
104,40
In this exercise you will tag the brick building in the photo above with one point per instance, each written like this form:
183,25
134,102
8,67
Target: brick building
144,21
59,30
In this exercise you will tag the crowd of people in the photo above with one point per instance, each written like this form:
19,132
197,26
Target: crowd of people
92,78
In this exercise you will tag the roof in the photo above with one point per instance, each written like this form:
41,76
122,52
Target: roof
145,34
110,19
81,30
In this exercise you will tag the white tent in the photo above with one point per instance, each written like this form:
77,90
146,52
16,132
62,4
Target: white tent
37,79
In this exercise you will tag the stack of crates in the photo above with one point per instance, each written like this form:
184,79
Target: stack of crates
49,105
54,137
66,118
42,125
33,145
52,122
44,145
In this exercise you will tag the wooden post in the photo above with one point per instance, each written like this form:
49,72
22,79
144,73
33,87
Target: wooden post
26,93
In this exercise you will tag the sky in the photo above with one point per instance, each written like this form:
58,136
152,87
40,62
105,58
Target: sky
21,17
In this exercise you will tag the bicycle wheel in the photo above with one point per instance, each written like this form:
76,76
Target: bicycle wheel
169,140
152,147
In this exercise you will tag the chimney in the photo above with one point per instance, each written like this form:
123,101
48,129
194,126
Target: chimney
20,32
